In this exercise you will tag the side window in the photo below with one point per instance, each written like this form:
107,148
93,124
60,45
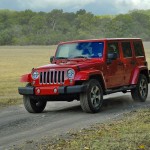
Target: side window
113,48
126,47
138,47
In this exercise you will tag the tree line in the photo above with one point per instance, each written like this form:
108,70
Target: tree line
47,28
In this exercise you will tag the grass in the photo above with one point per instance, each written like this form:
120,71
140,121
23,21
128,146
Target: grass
18,60
147,51
132,132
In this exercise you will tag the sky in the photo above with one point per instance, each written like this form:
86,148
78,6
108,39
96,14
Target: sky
98,7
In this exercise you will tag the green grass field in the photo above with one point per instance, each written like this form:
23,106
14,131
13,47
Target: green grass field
18,60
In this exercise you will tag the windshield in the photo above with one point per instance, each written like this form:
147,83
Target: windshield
80,50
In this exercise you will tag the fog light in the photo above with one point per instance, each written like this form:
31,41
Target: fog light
71,81
38,91
55,90
33,82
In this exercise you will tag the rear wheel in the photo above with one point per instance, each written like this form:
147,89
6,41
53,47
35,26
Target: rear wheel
91,100
141,91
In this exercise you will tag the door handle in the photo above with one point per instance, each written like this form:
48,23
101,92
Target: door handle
132,62
120,63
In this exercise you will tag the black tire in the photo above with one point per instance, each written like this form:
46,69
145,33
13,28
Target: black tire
33,105
141,91
91,100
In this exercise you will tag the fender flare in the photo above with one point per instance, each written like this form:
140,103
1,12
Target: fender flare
135,74
25,78
85,75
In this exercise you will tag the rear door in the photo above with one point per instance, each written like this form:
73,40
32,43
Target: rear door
139,53
129,62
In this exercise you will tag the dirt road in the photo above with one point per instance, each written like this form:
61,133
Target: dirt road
18,126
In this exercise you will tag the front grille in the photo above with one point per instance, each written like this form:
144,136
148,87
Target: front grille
52,77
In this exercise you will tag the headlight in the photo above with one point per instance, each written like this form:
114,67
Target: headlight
35,75
70,73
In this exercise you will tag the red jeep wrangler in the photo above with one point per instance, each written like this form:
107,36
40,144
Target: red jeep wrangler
86,70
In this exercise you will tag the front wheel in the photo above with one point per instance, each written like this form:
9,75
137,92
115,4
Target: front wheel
91,100
141,91
33,105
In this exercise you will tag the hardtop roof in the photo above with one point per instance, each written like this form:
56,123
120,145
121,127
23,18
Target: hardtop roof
101,39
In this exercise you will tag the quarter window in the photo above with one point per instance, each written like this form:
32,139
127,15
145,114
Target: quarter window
126,47
138,47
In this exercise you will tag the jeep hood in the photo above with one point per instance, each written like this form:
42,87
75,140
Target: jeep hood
72,64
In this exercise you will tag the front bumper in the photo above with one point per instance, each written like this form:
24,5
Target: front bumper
26,90
52,90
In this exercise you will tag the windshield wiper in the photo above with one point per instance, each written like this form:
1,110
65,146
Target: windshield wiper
80,57
61,58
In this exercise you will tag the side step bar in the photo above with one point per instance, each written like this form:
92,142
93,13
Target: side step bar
124,88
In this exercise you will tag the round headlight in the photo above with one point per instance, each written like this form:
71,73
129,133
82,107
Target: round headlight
70,73
35,75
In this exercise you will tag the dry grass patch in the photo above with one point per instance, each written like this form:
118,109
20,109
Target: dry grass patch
147,51
16,61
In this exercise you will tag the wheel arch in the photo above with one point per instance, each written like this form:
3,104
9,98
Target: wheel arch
26,78
145,72
100,79
135,75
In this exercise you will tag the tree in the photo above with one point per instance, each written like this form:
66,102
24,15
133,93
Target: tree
28,27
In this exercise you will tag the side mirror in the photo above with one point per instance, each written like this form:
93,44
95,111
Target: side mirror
112,56
51,59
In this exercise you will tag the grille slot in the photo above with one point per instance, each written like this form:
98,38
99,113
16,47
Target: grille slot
52,77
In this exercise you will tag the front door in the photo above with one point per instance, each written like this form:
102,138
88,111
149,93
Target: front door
115,68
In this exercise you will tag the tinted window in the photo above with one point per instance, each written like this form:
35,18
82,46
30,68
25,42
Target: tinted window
126,47
113,48
138,47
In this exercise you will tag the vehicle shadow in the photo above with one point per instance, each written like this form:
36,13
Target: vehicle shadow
109,103
117,102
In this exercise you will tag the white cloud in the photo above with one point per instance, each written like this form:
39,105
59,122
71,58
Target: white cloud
94,6
133,4
32,4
